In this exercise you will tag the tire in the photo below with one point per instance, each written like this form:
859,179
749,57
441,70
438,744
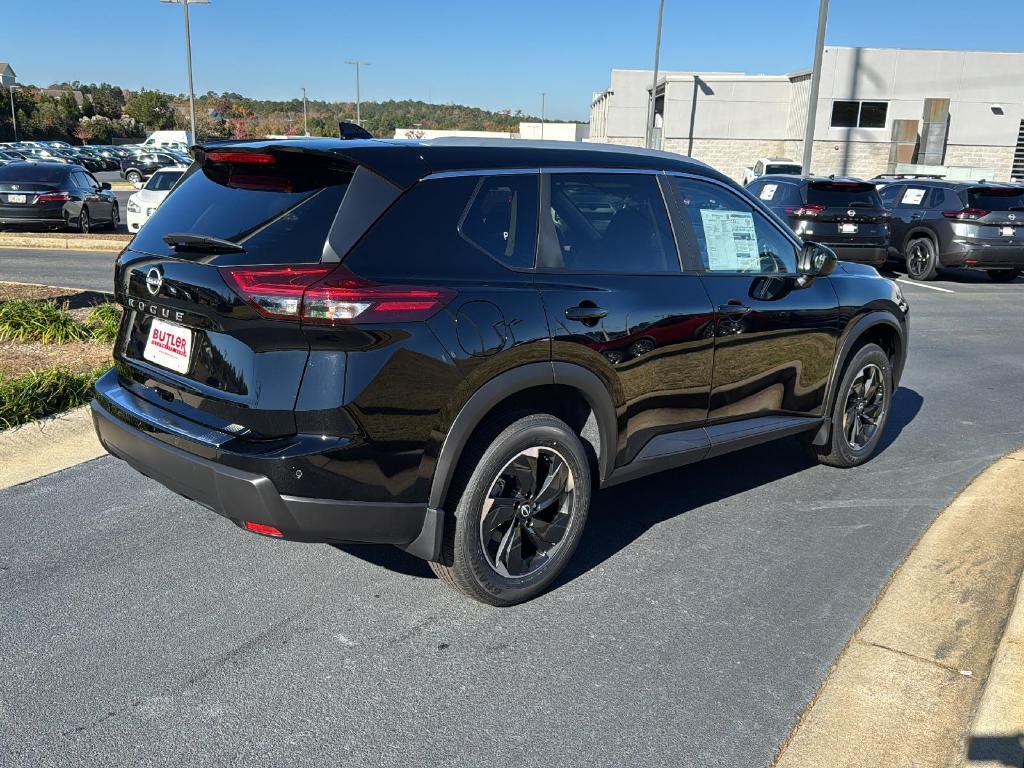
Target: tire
84,222
133,176
922,259
115,217
479,555
841,450
1003,275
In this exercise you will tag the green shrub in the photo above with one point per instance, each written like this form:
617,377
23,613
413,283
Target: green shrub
43,393
46,321
103,321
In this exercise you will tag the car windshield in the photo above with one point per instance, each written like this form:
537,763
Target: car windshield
42,174
785,168
996,199
839,194
163,181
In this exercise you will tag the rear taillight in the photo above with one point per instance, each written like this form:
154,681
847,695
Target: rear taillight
241,158
54,197
966,213
806,210
331,296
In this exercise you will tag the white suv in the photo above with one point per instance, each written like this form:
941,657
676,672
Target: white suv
766,165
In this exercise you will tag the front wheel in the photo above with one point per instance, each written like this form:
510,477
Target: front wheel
922,259
861,410
1003,275
520,514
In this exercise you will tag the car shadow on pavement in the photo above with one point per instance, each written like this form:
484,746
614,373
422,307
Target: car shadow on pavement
616,518
997,750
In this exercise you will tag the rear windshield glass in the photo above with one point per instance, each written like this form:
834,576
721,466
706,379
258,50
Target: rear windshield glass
782,168
1007,199
42,174
163,181
841,194
280,213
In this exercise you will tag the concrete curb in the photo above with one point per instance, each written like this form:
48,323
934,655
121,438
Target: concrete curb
906,689
46,446
65,242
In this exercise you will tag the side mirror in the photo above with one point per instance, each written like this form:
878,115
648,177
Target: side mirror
815,260
105,185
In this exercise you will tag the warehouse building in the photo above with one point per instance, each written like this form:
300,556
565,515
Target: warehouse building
879,110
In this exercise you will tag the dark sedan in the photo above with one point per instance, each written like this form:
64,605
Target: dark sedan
51,195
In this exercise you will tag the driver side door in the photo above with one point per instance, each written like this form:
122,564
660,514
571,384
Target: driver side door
775,341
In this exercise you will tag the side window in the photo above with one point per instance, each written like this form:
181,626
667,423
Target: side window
758,168
732,236
772,192
912,197
610,222
891,194
501,220
82,181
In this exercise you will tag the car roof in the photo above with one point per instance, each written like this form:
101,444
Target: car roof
956,184
405,161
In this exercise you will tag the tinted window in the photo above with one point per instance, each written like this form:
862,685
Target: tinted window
610,223
778,193
844,114
839,194
36,173
890,194
281,213
502,219
732,236
783,168
912,197
996,199
863,114
163,181
872,114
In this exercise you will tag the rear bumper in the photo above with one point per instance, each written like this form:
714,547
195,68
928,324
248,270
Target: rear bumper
983,255
875,255
132,434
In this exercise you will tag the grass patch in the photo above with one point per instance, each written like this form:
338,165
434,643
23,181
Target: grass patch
47,321
103,322
41,393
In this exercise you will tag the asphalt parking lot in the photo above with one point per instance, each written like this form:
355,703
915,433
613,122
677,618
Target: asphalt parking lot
699,616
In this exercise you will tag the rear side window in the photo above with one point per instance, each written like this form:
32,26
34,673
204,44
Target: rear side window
912,197
501,219
280,213
839,194
995,199
610,222
778,193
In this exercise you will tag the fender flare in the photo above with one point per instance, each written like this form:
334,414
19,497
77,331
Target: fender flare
854,331
518,379
917,233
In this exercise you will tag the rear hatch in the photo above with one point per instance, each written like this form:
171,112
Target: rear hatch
990,213
190,342
842,213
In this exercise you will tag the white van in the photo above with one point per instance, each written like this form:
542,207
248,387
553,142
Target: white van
168,138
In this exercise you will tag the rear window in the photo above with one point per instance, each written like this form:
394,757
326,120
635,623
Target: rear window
163,181
989,199
280,213
40,174
839,194
785,168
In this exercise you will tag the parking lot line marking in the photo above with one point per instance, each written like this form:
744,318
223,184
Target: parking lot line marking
922,285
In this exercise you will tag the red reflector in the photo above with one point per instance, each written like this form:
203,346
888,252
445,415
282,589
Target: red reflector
266,530
249,158
806,210
971,262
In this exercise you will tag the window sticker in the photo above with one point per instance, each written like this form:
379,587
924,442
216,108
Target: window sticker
731,241
769,191
913,196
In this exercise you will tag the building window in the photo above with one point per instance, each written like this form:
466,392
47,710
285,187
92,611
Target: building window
859,114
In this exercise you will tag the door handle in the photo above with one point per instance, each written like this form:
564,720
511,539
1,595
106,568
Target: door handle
585,314
733,308
917,216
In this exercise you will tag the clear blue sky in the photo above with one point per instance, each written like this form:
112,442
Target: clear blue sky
483,53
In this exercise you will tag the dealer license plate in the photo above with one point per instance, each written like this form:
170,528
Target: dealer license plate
169,345
17,198
848,229
1006,231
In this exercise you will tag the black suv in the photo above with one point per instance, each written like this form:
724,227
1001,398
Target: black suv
448,345
970,224
138,168
847,215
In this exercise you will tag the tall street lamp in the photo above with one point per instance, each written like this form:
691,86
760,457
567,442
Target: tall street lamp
359,100
651,104
305,125
188,56
812,96
543,111
14,119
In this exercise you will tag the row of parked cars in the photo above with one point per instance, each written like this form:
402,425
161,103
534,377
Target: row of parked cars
925,223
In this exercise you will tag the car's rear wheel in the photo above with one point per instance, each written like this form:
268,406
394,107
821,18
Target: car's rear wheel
84,222
1003,275
115,217
922,259
861,411
520,512
134,177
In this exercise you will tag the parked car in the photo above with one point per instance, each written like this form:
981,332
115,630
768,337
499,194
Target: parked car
845,214
46,155
96,161
941,223
140,167
330,340
7,156
771,166
143,203
55,195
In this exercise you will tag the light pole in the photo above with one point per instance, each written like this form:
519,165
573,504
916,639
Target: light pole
14,119
812,96
188,56
359,99
649,130
543,110
305,124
